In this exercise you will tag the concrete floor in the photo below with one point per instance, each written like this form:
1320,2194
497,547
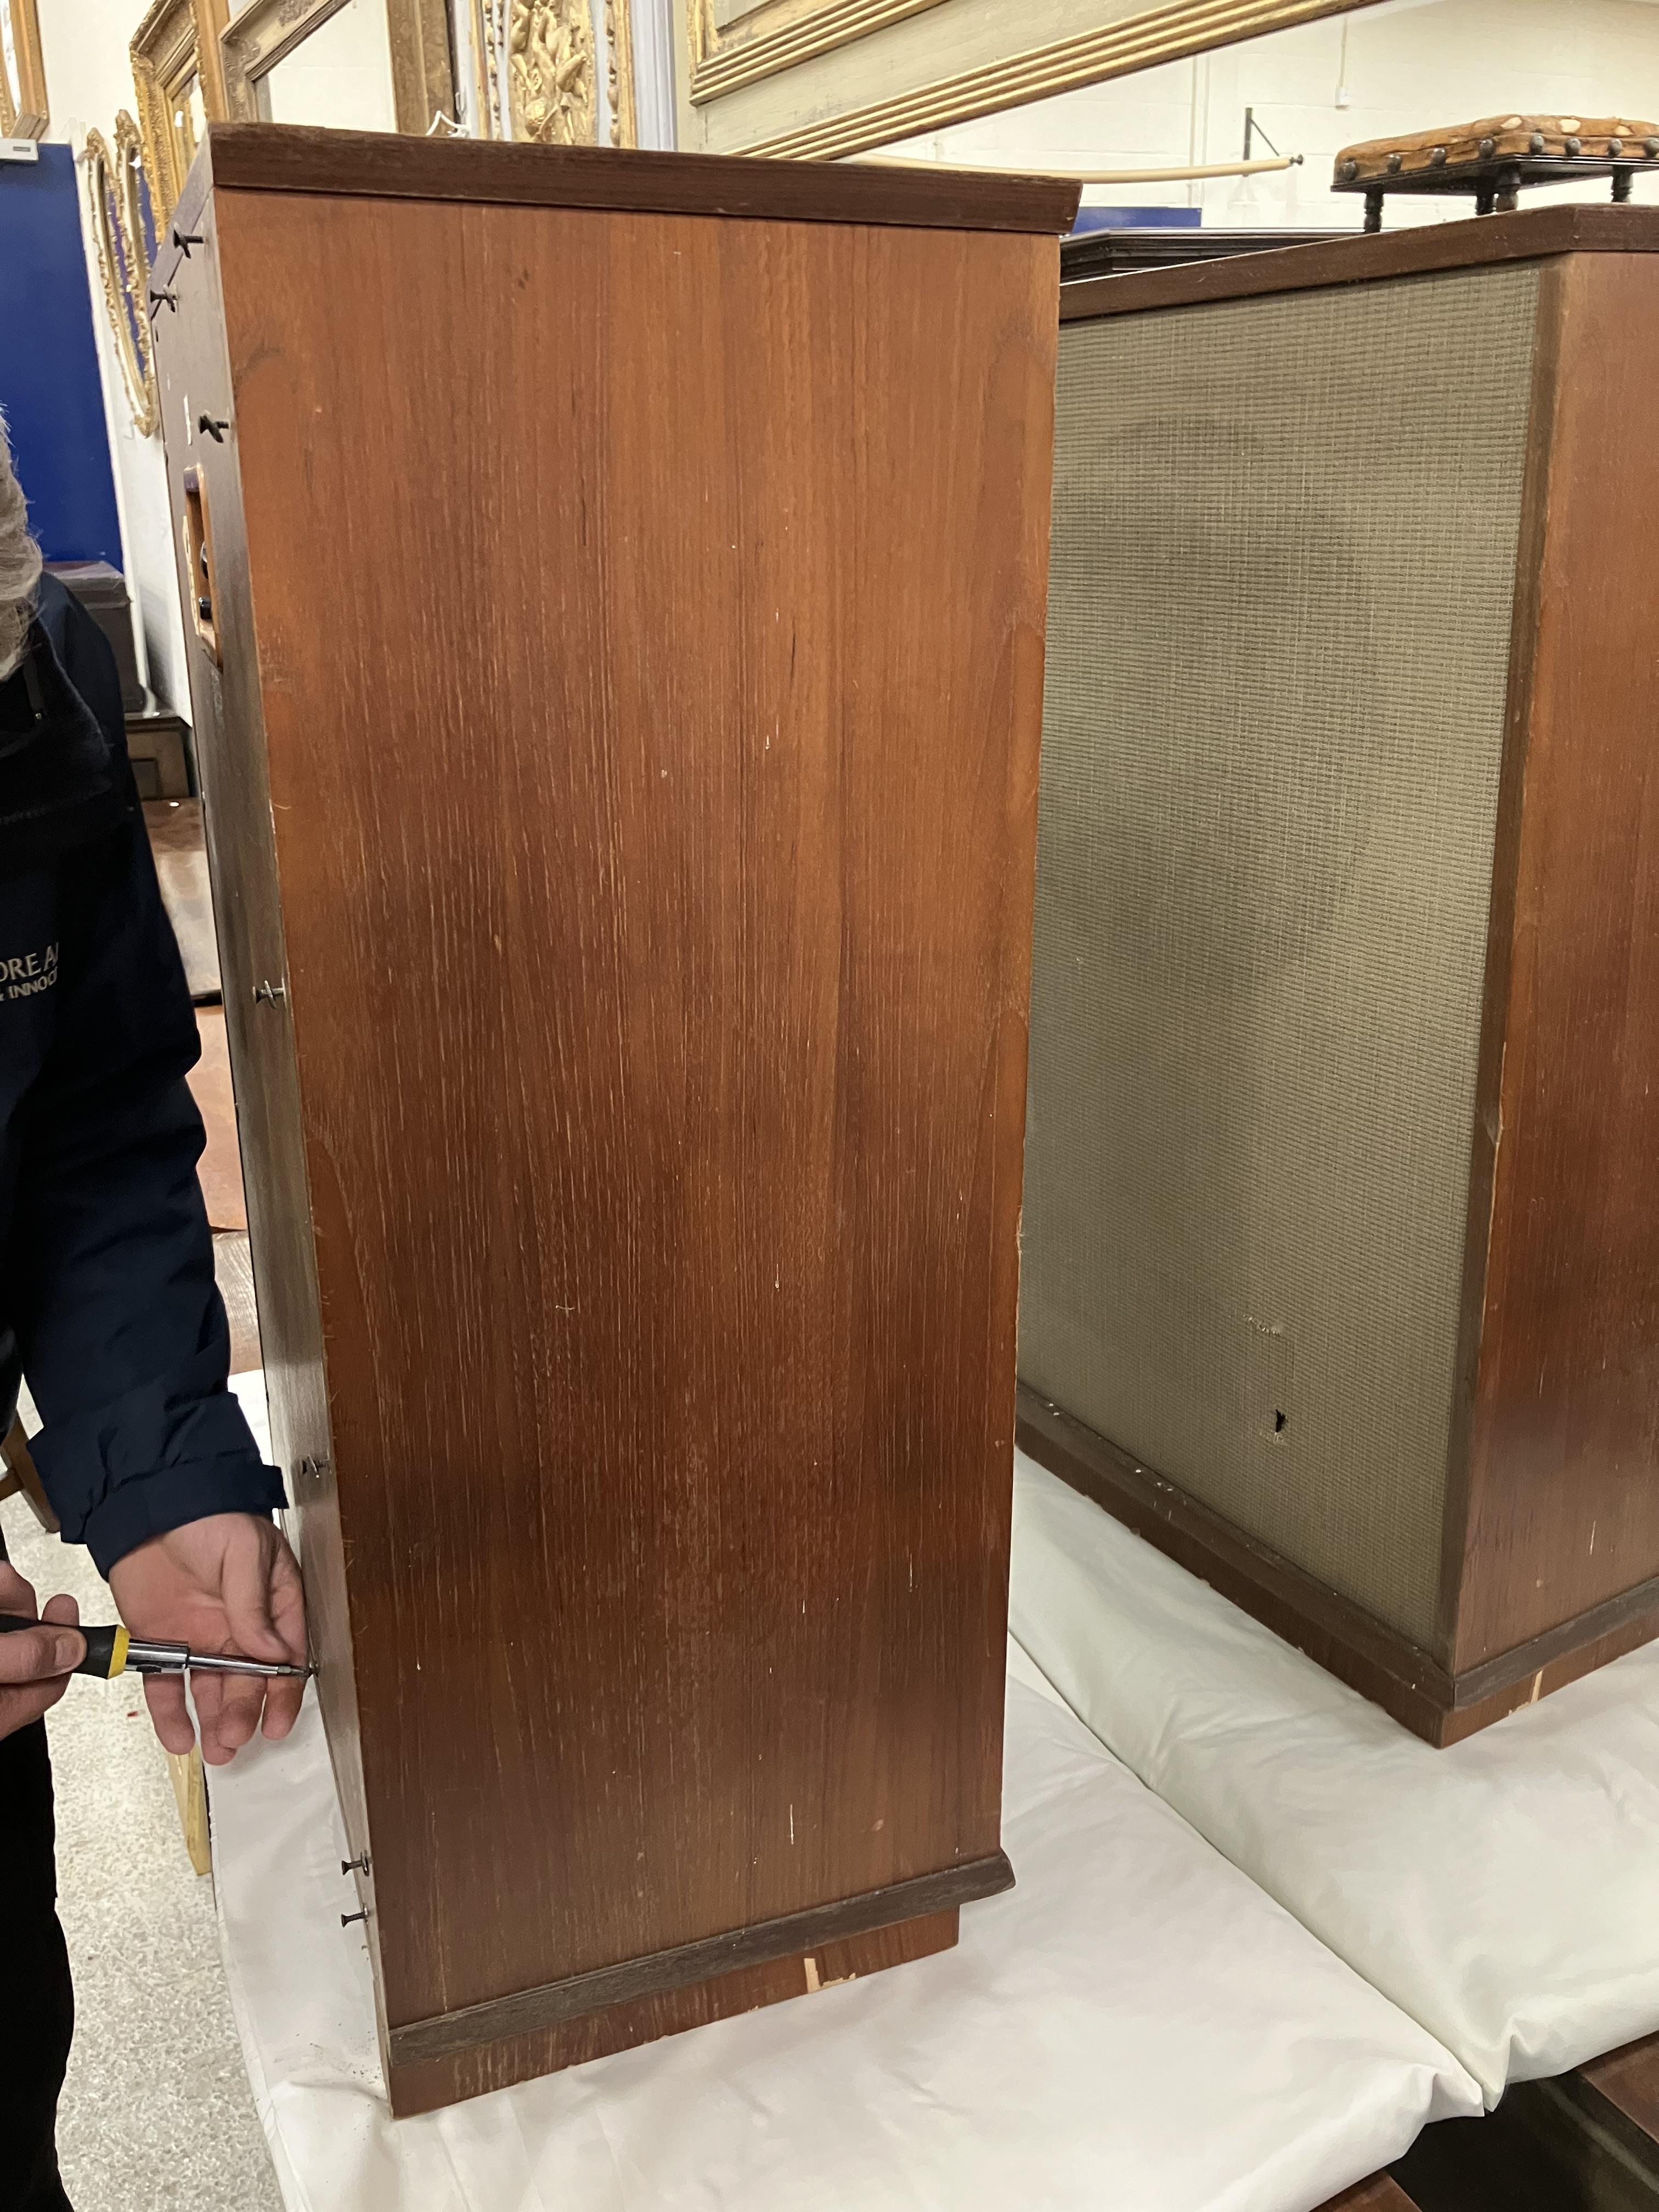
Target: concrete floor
157,2110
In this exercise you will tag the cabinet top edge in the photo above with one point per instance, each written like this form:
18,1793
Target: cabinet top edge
374,164
1468,242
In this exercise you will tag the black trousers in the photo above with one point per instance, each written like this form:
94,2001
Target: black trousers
37,2004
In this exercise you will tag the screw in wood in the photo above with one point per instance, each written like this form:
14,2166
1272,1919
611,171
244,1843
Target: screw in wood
346,1918
268,995
183,240
215,425
355,1866
156,300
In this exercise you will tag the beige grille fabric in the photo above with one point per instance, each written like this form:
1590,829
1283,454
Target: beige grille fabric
1283,563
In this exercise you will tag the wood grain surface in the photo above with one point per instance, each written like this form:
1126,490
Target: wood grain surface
418,2086
178,842
290,158
1628,2079
708,1961
650,674
233,1271
1563,1506
1382,2193
219,1170
1529,234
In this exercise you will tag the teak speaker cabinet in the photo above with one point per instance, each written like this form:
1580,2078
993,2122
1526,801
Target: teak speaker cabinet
1341,1235
617,584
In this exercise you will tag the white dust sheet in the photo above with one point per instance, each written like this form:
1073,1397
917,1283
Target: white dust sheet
1135,2027
1504,1892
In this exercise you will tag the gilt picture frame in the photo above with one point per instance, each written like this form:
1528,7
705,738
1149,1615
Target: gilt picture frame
266,31
114,201
23,105
179,82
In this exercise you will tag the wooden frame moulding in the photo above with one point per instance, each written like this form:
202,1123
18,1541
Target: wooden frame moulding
176,45
913,43
24,109
267,31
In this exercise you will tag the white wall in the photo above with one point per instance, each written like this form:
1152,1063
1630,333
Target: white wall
1408,65
88,79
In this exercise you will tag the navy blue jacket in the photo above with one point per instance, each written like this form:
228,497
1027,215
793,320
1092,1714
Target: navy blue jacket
107,1302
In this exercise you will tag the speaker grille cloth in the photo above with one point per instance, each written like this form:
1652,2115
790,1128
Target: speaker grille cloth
1283,565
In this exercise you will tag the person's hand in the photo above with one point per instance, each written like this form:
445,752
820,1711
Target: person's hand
226,1583
36,1663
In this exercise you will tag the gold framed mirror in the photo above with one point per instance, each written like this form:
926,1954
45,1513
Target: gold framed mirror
178,81
123,267
375,65
23,112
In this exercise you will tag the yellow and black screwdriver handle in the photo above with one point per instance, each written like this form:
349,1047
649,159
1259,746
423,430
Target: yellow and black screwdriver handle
108,1649
113,1651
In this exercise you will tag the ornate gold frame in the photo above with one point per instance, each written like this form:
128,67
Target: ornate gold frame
544,54
124,270
23,109
178,40
804,30
790,31
423,70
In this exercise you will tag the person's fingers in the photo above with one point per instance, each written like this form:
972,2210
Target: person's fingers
16,1595
61,1609
283,1698
288,1605
20,1708
249,1560
227,1707
169,1716
35,1655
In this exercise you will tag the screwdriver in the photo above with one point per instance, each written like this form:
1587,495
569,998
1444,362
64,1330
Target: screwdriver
113,1651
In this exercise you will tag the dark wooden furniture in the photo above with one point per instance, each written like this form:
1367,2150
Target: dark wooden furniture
1116,253
1588,2141
177,840
1489,161
617,585
102,590
1382,2193
1341,1229
158,746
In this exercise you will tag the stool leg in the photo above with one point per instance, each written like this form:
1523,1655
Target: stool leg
1373,211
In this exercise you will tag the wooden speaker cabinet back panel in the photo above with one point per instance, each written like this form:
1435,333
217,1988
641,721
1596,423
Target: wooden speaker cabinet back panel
1341,1254
649,614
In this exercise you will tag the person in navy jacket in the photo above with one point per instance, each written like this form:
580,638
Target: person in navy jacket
108,1303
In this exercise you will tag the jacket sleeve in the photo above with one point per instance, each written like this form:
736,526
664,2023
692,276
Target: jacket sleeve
122,1331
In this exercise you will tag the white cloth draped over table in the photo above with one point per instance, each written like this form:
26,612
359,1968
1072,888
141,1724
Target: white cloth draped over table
1503,1892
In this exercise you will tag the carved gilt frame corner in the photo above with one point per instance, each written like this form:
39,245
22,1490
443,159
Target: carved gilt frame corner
417,33
176,41
24,109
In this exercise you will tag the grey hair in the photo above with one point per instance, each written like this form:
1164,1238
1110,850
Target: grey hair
19,564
